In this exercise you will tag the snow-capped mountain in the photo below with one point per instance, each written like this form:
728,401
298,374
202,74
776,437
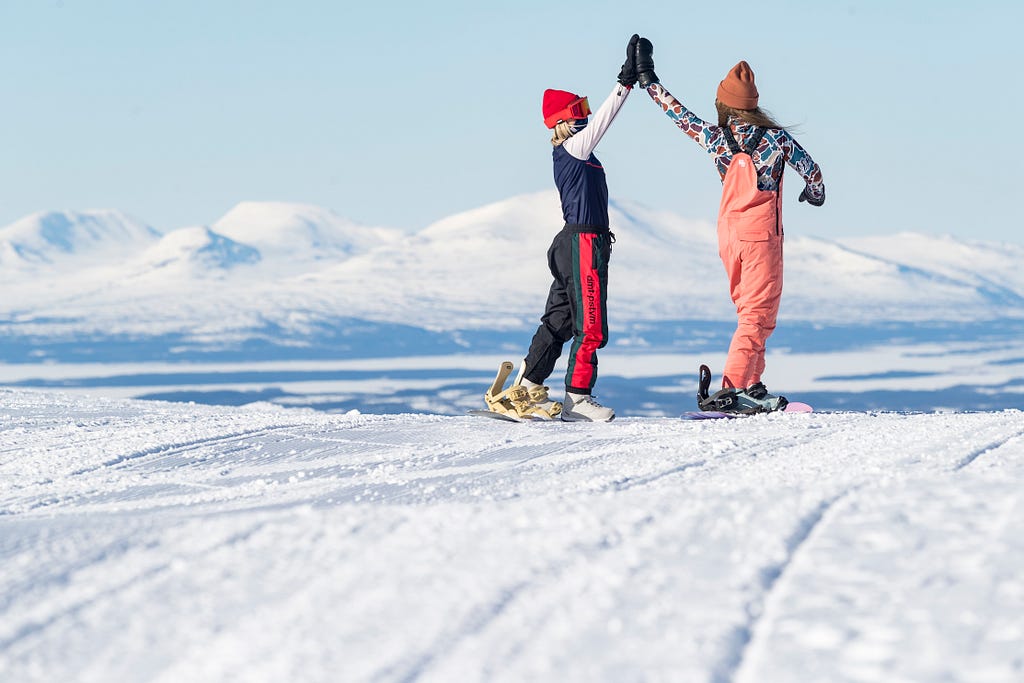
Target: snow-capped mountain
197,251
71,239
296,237
993,270
487,267
296,268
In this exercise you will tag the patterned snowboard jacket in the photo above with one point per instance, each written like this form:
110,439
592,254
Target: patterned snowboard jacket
776,149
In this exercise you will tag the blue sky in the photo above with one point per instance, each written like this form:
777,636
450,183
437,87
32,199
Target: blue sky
399,114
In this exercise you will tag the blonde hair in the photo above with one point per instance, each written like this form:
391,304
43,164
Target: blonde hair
755,117
563,131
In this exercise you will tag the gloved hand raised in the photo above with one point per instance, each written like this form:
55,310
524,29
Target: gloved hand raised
805,196
645,63
627,76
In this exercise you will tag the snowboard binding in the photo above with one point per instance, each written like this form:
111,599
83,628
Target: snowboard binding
722,401
519,401
703,385
747,401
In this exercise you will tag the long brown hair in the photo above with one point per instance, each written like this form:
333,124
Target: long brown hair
755,117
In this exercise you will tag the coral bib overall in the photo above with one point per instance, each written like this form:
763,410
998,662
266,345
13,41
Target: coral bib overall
750,244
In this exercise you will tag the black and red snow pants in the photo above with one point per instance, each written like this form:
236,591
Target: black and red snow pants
576,308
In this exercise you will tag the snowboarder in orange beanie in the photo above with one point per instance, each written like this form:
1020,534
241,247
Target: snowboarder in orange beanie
750,151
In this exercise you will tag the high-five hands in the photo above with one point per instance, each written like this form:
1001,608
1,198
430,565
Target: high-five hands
645,63
627,76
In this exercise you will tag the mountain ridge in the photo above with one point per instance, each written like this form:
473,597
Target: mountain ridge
48,237
301,268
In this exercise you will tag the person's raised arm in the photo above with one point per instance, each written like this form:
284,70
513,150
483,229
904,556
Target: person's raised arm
582,144
685,120
699,130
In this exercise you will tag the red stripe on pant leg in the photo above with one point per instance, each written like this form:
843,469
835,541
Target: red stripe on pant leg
591,321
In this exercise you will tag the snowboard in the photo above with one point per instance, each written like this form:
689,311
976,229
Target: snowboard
497,416
791,407
703,388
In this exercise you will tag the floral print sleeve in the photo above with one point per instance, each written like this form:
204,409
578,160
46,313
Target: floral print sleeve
699,130
802,163
777,147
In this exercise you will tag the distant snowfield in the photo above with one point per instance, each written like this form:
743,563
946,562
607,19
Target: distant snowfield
929,377
146,541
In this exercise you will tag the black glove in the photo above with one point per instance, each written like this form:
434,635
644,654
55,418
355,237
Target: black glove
805,196
627,76
645,63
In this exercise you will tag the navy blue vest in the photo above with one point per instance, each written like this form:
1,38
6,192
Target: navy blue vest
582,187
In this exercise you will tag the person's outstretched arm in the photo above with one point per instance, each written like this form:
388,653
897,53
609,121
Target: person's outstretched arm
699,130
685,120
801,162
582,144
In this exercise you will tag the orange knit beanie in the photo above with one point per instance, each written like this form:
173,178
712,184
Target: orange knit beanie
738,90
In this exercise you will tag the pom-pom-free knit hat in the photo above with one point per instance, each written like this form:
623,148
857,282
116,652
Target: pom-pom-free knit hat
738,89
555,104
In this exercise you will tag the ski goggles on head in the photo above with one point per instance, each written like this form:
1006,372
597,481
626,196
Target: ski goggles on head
580,109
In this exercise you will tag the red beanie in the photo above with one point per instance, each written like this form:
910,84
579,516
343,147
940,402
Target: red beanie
555,104
738,90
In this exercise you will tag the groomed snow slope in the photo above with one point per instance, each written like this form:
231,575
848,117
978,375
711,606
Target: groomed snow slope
146,541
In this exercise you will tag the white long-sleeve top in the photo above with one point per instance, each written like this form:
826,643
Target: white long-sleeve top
582,144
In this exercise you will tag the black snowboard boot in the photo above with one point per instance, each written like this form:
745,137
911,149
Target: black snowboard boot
753,399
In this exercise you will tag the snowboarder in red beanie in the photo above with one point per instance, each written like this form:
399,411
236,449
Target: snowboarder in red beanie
576,307
750,151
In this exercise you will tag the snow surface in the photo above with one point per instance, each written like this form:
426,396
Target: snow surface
144,541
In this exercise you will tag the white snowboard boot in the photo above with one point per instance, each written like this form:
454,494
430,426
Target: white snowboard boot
583,408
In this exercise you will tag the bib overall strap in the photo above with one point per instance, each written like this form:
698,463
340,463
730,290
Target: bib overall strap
730,140
751,145
754,141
